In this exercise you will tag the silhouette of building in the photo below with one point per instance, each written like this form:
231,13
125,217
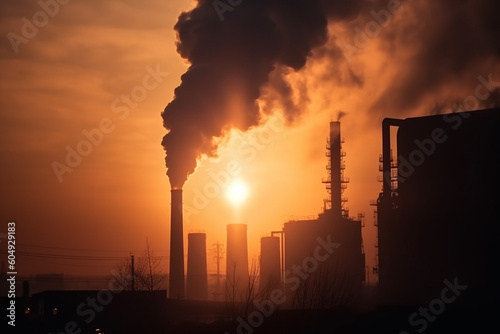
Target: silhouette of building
95,311
324,261
437,212
42,282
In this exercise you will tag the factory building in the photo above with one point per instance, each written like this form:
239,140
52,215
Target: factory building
437,213
323,261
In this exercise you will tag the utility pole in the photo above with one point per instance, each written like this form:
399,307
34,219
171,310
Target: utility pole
367,283
218,265
133,273
218,257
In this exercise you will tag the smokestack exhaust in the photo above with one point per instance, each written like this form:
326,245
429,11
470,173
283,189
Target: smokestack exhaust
335,162
176,278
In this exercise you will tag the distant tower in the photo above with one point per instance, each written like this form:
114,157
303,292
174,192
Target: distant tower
336,183
196,283
237,261
270,263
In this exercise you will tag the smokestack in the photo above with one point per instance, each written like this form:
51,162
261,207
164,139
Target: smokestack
237,261
196,283
176,278
270,263
335,172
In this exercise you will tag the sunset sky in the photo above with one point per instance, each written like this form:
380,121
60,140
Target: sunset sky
102,72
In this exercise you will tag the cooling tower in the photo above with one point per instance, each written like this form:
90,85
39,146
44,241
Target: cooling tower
237,261
196,282
269,263
176,278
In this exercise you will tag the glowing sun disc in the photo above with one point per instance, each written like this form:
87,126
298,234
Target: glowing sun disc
237,192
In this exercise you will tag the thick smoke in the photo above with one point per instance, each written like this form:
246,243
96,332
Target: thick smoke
237,60
230,63
446,42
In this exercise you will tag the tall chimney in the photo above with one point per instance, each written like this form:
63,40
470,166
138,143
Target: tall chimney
237,261
176,278
196,281
335,160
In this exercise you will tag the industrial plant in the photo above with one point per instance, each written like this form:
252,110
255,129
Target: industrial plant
435,219
316,263
437,233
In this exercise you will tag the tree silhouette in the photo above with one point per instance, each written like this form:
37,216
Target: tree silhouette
327,287
146,272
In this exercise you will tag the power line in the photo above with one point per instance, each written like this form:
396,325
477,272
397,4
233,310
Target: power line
89,250
68,257
73,257
77,249
57,262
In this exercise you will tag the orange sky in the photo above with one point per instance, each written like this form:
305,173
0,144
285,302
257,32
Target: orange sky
74,76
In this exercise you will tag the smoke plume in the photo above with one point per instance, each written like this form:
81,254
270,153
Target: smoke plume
230,62
239,49
439,44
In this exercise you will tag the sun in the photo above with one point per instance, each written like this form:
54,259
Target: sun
237,192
